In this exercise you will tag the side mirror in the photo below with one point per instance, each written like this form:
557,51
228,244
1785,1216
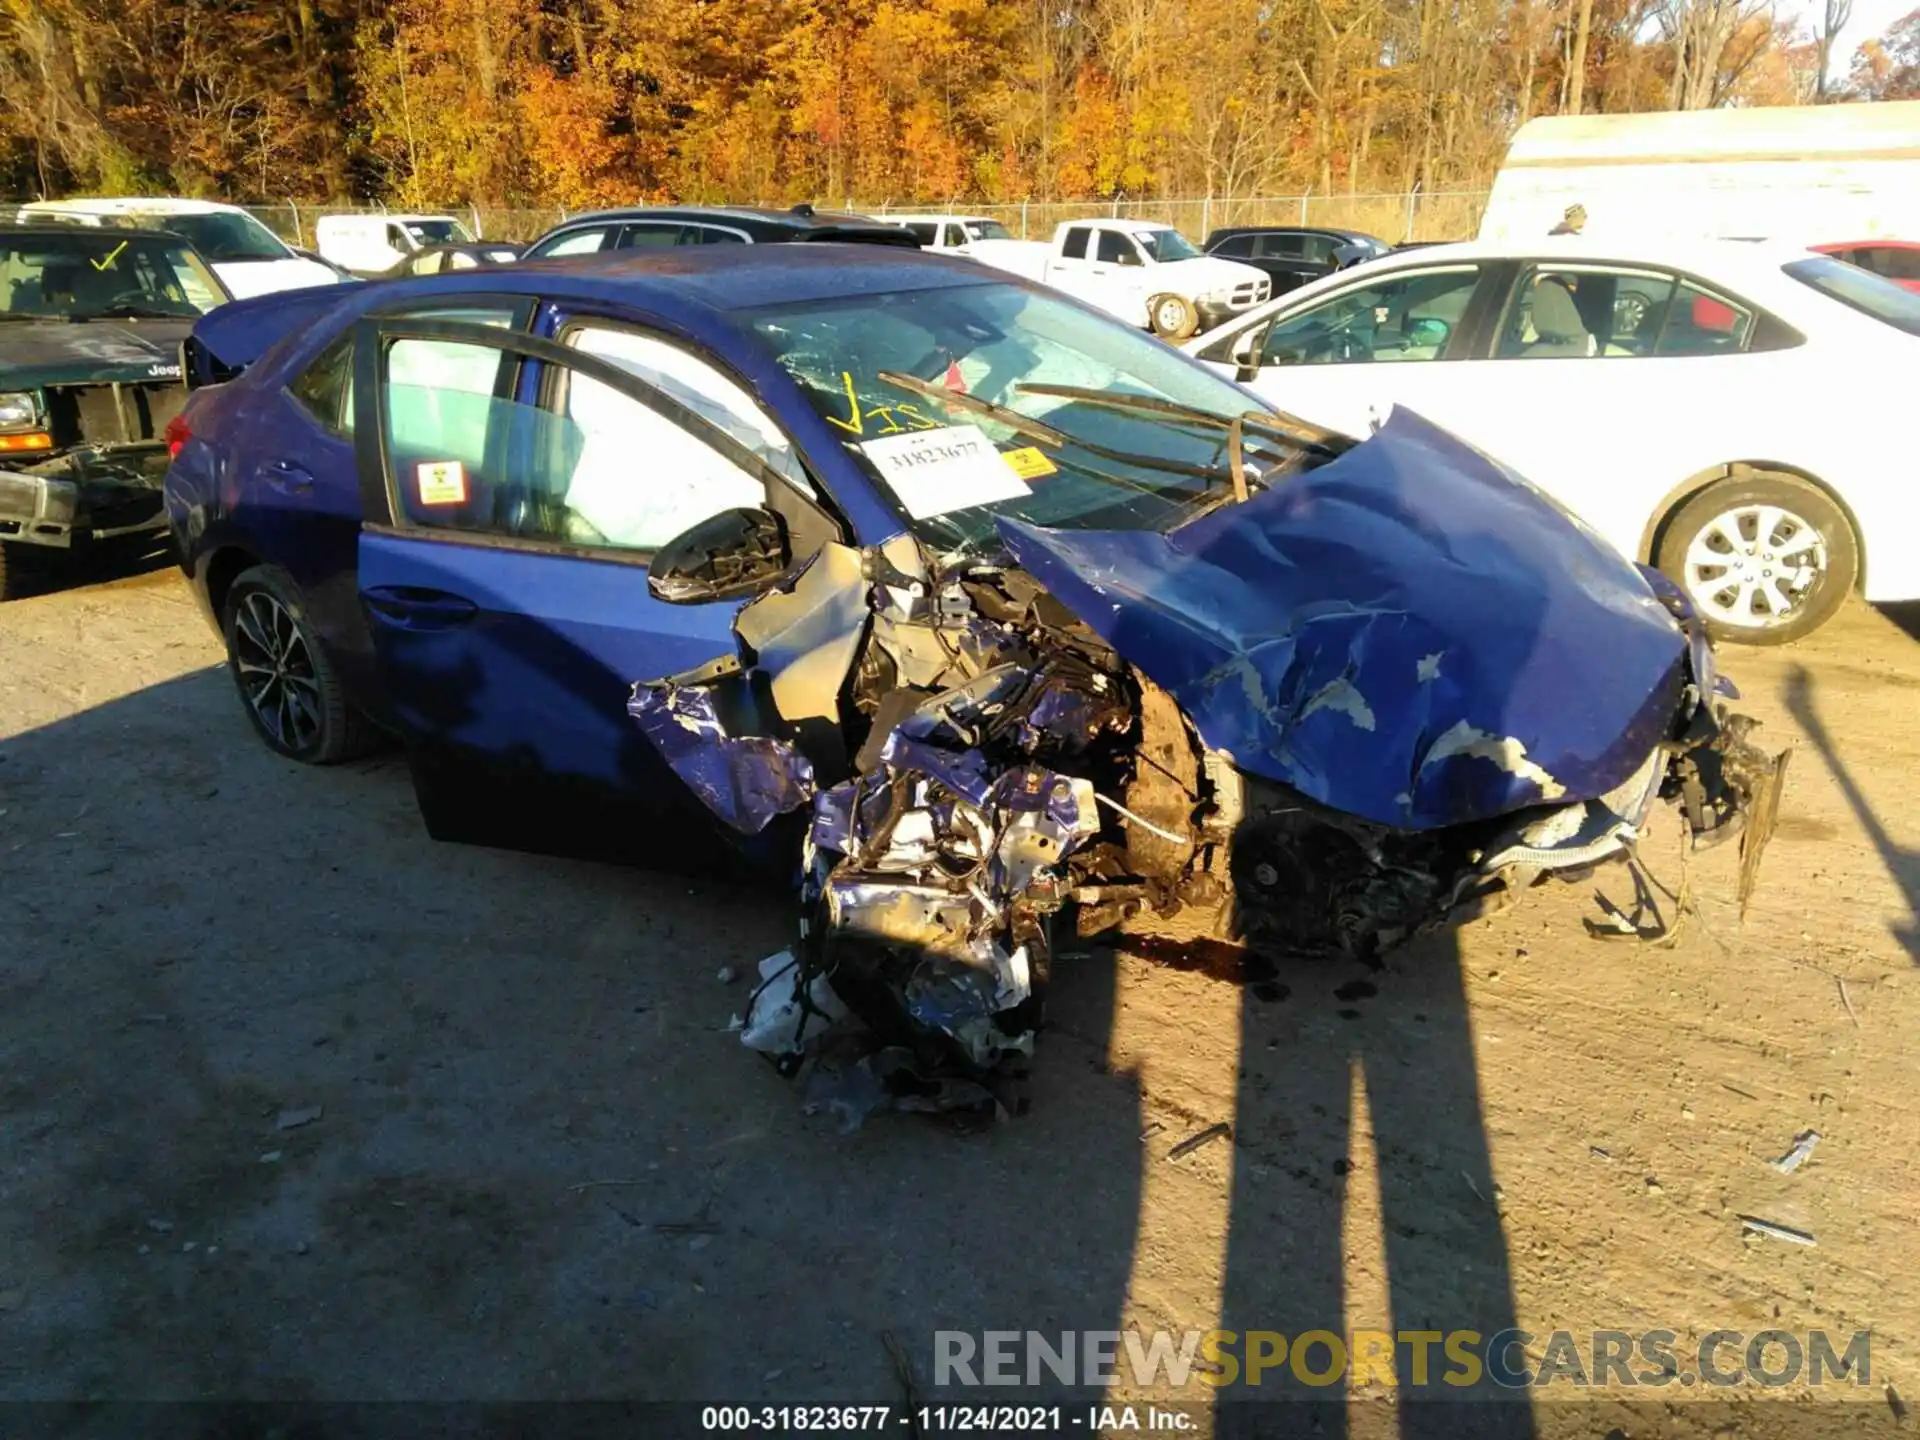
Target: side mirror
1246,352
724,556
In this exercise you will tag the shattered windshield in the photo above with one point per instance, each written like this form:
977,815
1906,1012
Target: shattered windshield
222,235
954,400
98,274
1167,245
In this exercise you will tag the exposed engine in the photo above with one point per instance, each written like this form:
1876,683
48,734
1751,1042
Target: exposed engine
1010,770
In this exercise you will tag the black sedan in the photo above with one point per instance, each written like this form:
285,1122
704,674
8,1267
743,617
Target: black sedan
1295,255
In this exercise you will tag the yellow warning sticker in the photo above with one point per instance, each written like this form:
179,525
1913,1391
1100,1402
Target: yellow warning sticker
442,482
1029,463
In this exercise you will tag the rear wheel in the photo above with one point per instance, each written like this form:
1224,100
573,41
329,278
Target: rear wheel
1173,316
289,687
1766,558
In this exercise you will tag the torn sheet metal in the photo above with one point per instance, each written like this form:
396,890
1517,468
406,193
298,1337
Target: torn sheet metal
1404,634
804,637
745,780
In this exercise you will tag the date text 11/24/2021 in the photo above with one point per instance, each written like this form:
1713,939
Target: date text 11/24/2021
946,1419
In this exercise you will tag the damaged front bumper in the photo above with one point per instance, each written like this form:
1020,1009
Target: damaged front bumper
97,492
977,757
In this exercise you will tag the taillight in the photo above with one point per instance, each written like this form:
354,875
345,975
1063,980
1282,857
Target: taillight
178,432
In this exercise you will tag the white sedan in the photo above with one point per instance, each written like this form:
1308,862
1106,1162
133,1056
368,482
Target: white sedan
1734,413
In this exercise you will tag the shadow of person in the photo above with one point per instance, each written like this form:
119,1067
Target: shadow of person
1903,864
1398,1042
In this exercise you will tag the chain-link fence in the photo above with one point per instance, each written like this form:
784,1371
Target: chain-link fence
1396,218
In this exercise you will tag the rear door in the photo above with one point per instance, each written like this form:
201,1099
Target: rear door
515,491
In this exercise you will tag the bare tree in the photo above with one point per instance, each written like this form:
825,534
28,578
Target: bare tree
1701,34
1832,22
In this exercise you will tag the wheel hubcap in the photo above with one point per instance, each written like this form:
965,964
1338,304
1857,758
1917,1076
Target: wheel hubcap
1171,316
276,671
1754,566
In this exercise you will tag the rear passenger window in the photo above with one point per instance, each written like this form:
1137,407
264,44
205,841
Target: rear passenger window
1585,312
325,386
1699,323
649,237
1075,245
1890,261
1235,247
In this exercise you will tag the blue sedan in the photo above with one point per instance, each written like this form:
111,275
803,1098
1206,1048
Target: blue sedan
941,589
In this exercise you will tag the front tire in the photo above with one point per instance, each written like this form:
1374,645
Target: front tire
1766,558
24,570
1172,317
287,685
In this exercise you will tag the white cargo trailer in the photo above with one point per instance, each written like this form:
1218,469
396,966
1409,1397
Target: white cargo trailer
1806,174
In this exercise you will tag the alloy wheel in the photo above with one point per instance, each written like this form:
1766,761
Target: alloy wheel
1754,566
276,671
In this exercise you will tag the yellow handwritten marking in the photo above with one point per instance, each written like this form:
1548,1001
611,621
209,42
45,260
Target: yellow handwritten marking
894,427
112,255
856,425
916,421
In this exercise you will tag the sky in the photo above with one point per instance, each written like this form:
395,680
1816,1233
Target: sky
1870,19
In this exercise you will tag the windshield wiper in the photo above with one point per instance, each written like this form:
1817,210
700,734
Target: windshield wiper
960,400
1290,428
1040,430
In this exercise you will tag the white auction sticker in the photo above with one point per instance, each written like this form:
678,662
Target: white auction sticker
951,468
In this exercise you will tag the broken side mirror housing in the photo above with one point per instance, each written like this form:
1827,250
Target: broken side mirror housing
723,557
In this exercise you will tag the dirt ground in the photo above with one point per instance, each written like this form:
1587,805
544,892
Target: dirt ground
541,1168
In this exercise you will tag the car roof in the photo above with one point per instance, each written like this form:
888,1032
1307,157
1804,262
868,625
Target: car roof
737,214
1715,257
1111,222
123,204
50,229
712,278
1291,230
945,215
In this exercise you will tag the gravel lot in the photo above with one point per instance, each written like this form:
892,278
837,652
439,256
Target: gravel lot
541,1170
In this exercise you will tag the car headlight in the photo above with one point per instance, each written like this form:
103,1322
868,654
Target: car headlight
19,410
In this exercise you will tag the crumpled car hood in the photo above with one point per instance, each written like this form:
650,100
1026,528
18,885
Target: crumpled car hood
1407,633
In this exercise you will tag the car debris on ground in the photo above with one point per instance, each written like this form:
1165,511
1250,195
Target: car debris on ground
1799,1154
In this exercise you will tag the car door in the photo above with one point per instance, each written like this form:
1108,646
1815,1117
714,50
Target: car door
1090,267
515,491
1345,360
1638,379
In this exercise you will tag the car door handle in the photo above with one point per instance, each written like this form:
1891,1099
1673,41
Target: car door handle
292,479
413,607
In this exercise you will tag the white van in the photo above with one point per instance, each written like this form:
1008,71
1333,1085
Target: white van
369,244
1804,174
248,257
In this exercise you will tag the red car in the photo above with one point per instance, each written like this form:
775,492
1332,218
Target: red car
1897,260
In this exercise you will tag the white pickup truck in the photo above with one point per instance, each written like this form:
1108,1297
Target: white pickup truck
1144,273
